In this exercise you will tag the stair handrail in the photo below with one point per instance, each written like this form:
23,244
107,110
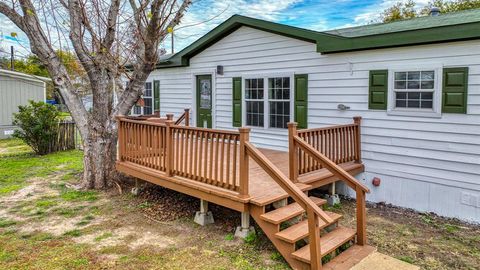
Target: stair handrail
185,116
329,164
284,182
313,211
360,189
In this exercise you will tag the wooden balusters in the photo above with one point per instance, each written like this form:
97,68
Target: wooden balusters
340,144
168,148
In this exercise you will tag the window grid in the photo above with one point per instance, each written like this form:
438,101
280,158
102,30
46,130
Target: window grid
147,98
414,89
254,95
279,102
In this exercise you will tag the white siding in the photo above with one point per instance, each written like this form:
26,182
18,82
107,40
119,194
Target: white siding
424,163
14,92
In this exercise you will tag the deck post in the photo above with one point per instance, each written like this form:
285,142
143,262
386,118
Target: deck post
357,120
292,152
168,148
121,138
244,168
169,116
187,117
244,229
361,217
203,217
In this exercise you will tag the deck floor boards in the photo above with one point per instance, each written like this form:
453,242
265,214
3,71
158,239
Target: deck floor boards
262,188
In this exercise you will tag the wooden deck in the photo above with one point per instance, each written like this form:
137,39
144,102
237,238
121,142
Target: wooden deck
225,168
263,189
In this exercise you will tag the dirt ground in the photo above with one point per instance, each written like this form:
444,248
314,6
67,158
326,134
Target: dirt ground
45,223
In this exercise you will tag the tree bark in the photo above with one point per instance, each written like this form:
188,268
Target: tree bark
100,153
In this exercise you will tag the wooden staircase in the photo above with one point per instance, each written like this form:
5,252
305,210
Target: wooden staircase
307,236
287,227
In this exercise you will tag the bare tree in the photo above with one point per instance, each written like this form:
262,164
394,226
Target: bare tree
105,36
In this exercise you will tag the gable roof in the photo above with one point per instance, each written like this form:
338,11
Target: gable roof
449,27
20,75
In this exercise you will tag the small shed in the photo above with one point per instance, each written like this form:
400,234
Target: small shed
17,89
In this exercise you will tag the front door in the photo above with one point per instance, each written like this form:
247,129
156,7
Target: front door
204,101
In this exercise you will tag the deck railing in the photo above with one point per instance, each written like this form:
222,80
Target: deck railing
305,152
204,155
340,144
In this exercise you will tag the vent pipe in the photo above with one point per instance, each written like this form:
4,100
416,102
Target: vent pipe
435,11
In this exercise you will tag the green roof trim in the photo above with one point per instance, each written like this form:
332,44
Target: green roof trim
450,27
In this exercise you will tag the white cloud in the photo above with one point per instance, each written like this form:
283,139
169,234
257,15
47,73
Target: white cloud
204,15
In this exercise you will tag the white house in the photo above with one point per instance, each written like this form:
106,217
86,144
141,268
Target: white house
17,89
415,83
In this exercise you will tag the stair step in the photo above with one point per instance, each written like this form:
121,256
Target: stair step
349,258
287,212
300,230
328,243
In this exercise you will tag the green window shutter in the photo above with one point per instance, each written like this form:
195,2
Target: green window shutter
237,102
454,94
301,100
378,90
156,95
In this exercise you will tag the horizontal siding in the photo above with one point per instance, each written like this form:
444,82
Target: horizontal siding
15,92
412,154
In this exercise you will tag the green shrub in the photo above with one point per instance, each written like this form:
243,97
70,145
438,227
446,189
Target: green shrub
38,122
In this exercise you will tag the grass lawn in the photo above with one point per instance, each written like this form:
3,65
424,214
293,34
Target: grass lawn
45,223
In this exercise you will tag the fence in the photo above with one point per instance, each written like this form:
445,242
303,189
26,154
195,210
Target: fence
66,137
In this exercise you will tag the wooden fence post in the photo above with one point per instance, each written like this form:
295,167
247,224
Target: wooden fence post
357,120
168,148
292,152
244,168
361,217
187,117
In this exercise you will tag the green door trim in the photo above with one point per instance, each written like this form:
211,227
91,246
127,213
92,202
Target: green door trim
204,114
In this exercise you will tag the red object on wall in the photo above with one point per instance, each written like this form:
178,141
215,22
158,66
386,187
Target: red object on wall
376,181
140,102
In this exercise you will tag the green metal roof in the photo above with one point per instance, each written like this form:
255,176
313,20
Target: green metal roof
450,27
461,17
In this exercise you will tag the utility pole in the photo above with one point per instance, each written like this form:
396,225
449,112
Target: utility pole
170,30
12,59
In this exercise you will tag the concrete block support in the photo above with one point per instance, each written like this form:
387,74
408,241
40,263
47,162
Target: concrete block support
244,229
203,217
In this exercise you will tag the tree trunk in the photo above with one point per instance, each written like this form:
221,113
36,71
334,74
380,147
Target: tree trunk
100,153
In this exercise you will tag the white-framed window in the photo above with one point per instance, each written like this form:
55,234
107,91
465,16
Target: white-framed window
254,102
148,101
415,91
268,101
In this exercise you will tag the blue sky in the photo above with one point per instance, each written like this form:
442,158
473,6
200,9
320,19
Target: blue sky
204,15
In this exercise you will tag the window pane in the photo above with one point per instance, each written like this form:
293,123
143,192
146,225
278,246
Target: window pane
400,84
413,75
255,113
428,75
148,89
401,95
147,109
401,104
254,89
279,114
400,76
427,104
413,104
413,95
427,84
413,84
427,95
